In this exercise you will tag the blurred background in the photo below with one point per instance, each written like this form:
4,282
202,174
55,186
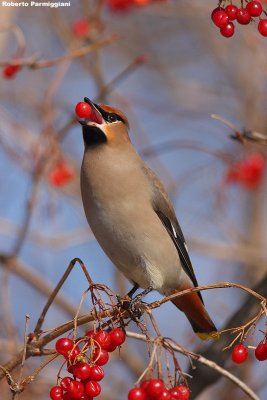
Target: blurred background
166,66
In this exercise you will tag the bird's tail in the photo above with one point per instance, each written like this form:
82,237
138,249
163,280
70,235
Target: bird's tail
193,307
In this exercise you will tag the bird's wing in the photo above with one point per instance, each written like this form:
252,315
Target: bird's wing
165,211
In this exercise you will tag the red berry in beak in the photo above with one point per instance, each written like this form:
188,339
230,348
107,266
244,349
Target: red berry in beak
83,110
87,111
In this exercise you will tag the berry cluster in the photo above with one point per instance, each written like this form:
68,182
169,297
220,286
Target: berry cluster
248,172
240,353
222,17
60,174
10,71
81,28
86,370
155,389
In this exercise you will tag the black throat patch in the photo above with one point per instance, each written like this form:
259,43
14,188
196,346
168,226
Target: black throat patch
92,135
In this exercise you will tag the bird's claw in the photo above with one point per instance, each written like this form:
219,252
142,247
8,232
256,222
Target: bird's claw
132,306
121,301
135,308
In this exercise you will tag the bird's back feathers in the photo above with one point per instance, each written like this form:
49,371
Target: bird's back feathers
165,211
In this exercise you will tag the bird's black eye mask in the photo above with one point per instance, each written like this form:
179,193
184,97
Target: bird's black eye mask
109,117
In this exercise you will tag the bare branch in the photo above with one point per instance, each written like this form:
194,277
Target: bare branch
76,53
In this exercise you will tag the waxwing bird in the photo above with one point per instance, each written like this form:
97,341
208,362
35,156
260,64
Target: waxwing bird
132,216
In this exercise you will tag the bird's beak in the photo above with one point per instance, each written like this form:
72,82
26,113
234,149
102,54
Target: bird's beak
96,116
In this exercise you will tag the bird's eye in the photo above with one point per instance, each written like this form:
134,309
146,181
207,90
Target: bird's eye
112,118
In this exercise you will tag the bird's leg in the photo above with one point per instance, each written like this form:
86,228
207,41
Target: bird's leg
141,295
130,294
133,306
133,290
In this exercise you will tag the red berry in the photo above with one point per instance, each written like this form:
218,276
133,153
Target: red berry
254,8
261,352
10,71
66,396
249,172
111,347
83,110
155,387
90,334
119,5
141,3
180,392
165,395
70,368
243,16
65,382
100,356
137,394
75,389
64,346
61,174
239,354
231,11
96,373
56,393
117,336
228,30
81,28
215,10
82,371
93,388
103,338
252,170
144,384
220,18
262,27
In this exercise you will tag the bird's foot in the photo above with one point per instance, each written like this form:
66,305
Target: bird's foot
134,306
126,304
122,300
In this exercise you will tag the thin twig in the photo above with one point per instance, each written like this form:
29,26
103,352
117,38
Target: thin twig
27,318
56,290
136,63
225,121
77,53
237,134
31,377
221,285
